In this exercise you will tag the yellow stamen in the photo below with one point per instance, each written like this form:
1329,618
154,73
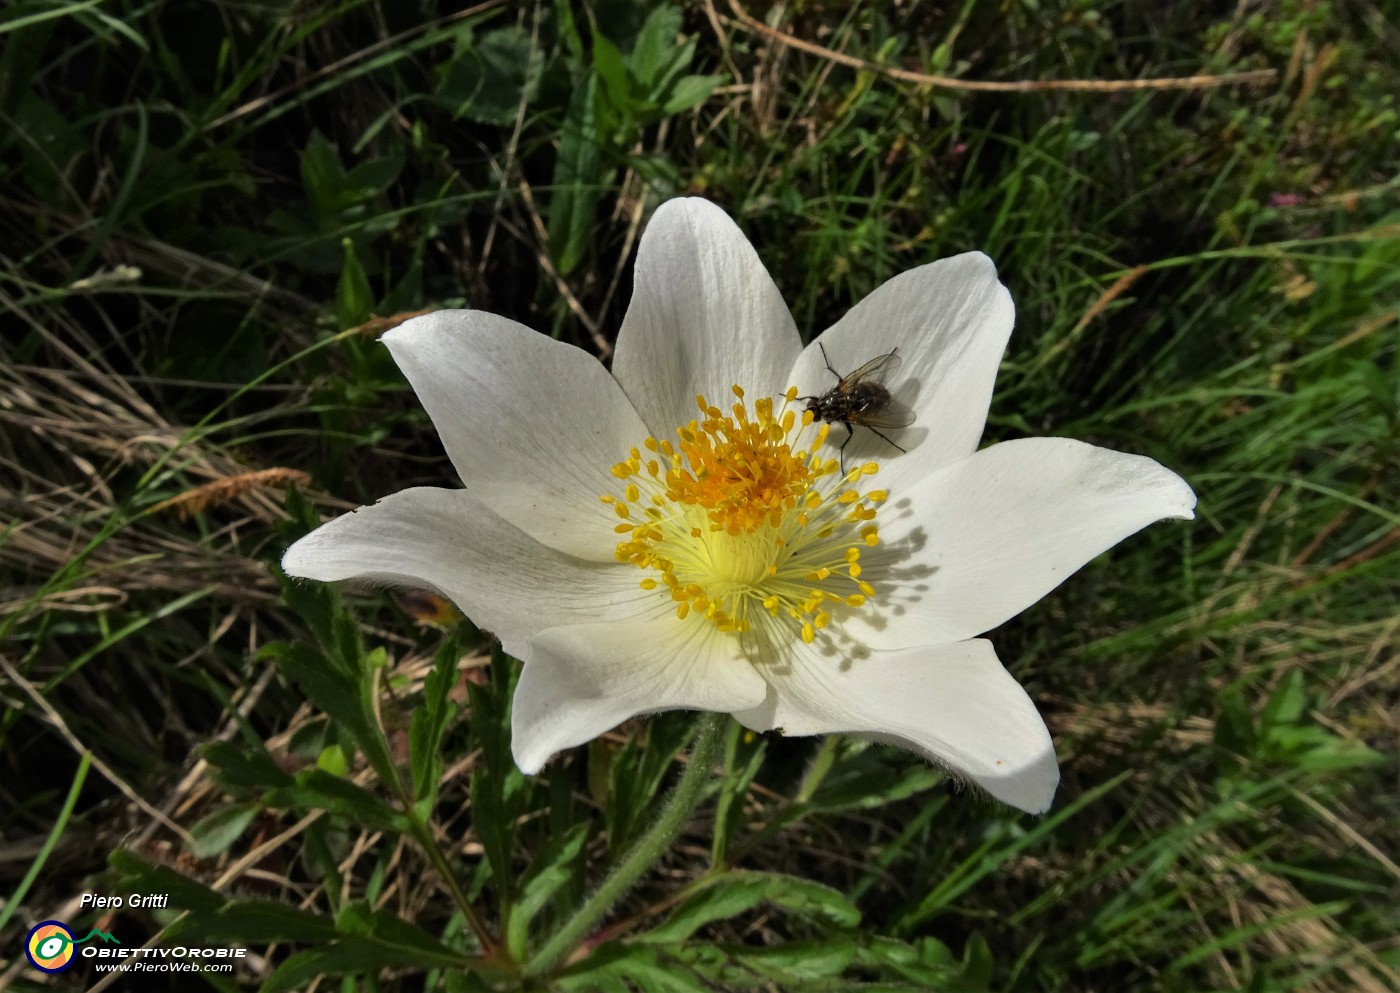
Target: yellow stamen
744,526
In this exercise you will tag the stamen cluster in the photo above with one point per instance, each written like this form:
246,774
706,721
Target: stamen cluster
740,526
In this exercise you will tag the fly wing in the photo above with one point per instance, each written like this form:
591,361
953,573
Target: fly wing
880,369
892,415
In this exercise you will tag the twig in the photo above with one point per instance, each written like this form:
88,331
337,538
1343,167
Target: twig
600,341
755,26
1120,286
512,147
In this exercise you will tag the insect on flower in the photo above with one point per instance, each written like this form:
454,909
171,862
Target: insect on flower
862,398
717,564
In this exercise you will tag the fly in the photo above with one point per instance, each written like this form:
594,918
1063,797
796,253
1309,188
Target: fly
861,397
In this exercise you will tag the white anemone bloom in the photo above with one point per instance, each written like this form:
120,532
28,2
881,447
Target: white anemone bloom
680,535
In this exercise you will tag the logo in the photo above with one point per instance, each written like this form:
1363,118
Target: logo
50,946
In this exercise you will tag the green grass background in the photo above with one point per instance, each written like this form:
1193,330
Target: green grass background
208,212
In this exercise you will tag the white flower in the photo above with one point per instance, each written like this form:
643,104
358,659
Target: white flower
729,565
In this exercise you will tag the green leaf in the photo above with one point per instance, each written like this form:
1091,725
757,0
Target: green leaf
498,787
638,774
813,900
488,78
550,870
1383,390
333,760
345,957
926,962
354,299
612,70
322,175
343,686
322,840
214,834
390,931
184,893
374,745
378,940
345,648
1287,704
567,27
729,896
739,892
628,967
799,962
254,922
871,777
676,64
729,809
655,45
316,789
318,604
325,684
1234,734
690,91
430,721
978,966
578,180
246,767
368,179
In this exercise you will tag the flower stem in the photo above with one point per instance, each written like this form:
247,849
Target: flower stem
675,811
423,833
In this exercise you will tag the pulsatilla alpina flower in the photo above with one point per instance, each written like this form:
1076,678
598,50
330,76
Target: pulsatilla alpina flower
681,534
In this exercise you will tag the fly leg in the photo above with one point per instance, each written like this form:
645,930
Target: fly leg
882,435
841,452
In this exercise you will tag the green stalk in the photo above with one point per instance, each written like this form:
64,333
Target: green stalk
675,811
427,841
17,898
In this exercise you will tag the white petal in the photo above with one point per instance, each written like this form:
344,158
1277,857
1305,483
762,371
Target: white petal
533,425
581,681
447,541
982,540
954,704
950,321
704,316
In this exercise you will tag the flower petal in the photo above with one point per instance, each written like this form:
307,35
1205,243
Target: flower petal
533,425
704,316
950,321
581,681
982,540
446,540
954,704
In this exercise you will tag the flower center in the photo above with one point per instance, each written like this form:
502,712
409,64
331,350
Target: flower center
740,526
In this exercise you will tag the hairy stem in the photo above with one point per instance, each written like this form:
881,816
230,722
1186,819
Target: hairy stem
675,811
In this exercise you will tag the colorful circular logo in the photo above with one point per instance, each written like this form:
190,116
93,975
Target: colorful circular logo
49,946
